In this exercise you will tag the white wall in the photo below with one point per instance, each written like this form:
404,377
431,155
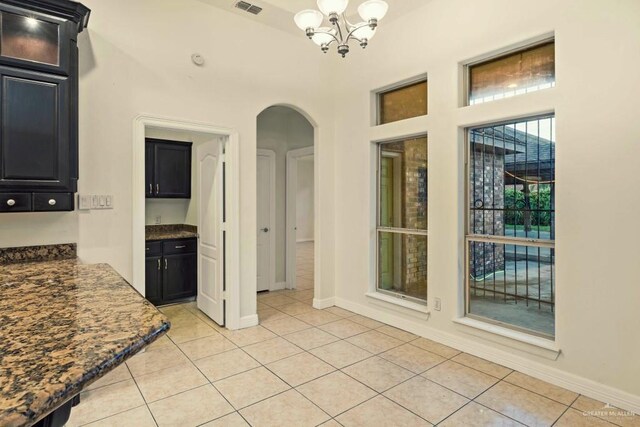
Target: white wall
135,59
281,129
596,103
304,201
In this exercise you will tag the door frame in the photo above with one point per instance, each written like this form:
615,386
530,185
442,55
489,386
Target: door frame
292,182
232,192
271,155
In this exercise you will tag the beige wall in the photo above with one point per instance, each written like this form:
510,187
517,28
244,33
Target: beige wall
304,201
596,103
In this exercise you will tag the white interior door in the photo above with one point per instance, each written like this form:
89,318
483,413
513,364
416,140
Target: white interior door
210,243
266,219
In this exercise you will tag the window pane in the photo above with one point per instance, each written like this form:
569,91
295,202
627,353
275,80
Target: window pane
29,39
512,179
513,284
402,265
403,103
403,184
525,71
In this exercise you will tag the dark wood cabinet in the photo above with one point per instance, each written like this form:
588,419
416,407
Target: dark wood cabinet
39,103
153,279
148,170
171,270
34,143
179,279
168,169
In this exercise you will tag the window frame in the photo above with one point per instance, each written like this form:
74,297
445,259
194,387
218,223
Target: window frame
530,44
423,78
414,302
486,238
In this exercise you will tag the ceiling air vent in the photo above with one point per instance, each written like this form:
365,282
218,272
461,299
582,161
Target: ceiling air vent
248,7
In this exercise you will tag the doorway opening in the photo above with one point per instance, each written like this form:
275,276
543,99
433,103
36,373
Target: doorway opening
285,205
185,210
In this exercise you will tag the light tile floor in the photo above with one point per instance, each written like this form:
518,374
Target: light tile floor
307,367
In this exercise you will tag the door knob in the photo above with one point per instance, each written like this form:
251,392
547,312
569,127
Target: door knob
11,202
266,230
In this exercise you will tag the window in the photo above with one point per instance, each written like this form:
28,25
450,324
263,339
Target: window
511,225
402,219
524,71
403,103
28,38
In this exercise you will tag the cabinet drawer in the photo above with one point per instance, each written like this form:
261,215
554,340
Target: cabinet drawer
153,249
53,202
179,246
16,202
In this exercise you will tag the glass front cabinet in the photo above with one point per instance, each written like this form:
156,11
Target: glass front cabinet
39,99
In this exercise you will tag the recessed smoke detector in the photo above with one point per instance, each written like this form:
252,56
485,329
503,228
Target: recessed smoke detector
248,7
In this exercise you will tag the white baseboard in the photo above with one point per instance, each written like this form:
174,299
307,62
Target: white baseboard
279,286
304,240
589,388
321,304
249,321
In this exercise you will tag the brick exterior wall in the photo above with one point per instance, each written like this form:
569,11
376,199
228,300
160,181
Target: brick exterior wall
414,215
486,190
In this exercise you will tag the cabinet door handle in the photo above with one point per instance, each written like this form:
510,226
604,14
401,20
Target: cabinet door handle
150,188
52,202
181,247
157,188
11,202
165,264
158,263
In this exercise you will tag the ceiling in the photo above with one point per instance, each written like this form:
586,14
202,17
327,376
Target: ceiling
279,13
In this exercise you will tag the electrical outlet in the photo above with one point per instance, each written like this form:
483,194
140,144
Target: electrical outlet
437,304
158,220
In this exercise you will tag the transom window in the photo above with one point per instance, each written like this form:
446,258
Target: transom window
524,71
403,102
402,218
511,224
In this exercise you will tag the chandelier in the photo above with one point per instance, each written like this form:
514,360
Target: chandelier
341,30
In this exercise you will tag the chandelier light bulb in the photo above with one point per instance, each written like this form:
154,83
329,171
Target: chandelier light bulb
321,37
364,32
329,7
308,19
373,9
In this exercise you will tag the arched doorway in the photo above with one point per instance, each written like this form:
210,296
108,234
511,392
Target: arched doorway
286,211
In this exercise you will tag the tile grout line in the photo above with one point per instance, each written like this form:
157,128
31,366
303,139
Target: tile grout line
204,385
146,404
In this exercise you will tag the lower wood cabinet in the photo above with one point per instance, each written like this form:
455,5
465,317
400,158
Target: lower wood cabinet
171,270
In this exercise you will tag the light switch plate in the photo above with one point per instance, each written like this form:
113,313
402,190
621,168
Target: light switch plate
84,202
94,201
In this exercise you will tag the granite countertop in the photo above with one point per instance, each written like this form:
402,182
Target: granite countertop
62,326
170,232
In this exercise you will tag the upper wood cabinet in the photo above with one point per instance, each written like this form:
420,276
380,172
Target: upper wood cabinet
167,169
39,102
35,157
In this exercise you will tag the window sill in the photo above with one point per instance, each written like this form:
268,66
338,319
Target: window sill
399,302
543,343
